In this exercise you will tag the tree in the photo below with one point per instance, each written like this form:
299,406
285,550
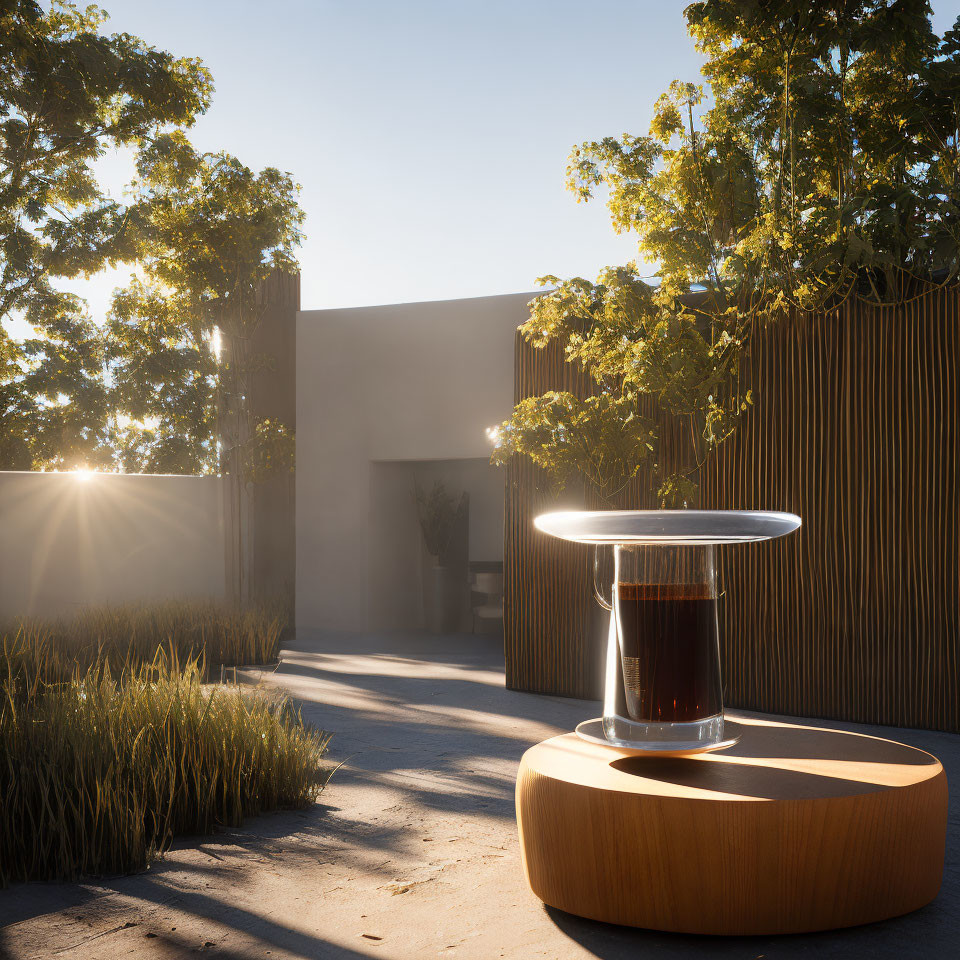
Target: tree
209,233
54,404
68,93
164,373
822,165
63,383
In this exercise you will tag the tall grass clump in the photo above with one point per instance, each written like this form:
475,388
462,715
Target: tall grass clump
129,636
98,773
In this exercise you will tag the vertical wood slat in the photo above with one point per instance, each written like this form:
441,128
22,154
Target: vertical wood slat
856,428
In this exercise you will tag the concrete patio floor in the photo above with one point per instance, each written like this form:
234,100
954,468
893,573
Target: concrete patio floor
412,850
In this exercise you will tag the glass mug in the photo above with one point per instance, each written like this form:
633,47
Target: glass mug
662,686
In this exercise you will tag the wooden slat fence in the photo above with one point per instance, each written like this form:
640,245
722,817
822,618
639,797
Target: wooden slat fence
857,617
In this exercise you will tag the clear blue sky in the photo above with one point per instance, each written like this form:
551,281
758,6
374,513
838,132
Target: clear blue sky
430,136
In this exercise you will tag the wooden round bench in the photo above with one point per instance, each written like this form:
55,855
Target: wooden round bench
793,829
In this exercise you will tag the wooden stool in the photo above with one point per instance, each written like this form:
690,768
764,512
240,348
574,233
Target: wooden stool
793,829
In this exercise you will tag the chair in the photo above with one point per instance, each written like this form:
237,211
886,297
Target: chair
486,594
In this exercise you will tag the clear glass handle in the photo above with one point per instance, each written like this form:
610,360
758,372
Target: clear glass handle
597,592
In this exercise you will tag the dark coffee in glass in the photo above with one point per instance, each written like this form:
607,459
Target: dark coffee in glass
662,684
669,652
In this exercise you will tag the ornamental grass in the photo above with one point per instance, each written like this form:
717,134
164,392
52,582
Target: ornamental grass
100,771
127,637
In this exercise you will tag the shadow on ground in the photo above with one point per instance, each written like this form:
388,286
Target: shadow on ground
412,851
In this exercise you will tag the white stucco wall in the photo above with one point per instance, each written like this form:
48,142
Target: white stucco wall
67,541
403,382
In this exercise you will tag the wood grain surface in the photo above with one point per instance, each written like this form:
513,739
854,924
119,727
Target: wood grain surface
794,829
856,428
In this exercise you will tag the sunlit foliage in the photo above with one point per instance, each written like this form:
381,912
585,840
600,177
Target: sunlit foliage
69,92
148,393
209,231
819,162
